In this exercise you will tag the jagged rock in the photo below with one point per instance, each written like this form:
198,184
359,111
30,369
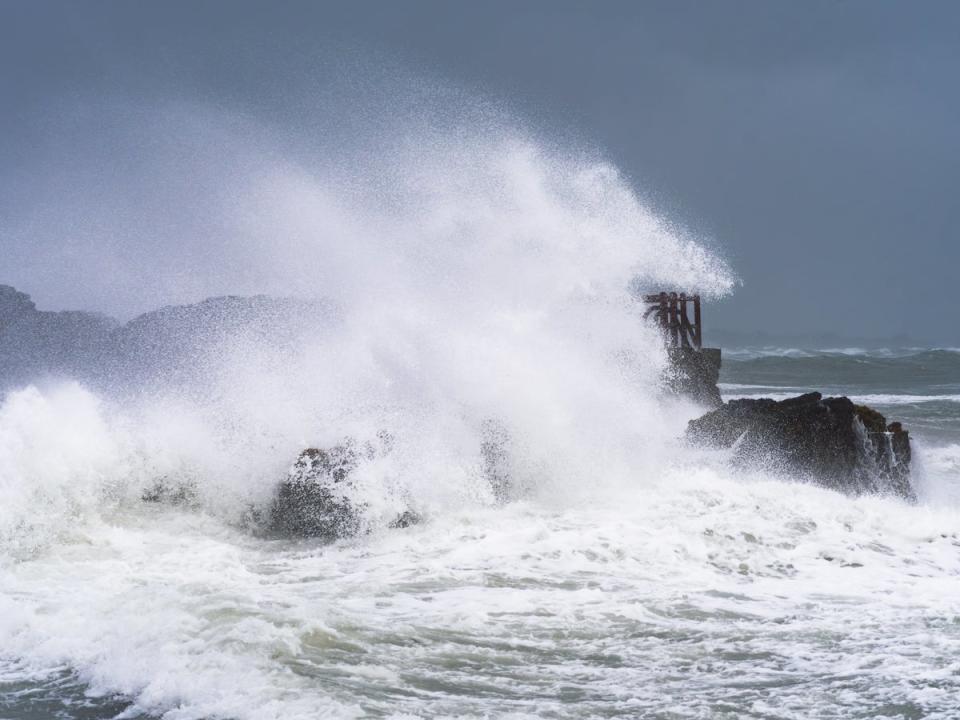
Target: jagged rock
313,501
316,499
831,441
694,373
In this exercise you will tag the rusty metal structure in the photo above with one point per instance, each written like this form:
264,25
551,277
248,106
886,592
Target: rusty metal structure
669,310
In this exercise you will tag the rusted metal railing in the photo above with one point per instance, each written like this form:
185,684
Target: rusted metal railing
670,312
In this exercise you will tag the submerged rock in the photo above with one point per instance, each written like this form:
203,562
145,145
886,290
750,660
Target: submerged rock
316,499
831,441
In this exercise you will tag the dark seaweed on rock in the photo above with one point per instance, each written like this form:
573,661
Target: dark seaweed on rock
831,441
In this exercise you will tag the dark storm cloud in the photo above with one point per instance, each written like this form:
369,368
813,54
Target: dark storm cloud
815,143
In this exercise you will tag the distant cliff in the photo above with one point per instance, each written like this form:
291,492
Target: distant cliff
160,346
34,343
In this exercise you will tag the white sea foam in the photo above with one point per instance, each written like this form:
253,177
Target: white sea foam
679,593
773,351
904,399
750,353
733,392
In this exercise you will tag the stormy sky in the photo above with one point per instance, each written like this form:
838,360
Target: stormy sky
816,145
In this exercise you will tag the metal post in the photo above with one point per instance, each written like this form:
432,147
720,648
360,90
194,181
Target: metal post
674,321
697,327
684,322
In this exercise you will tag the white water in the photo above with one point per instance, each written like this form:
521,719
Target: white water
629,576
732,391
691,592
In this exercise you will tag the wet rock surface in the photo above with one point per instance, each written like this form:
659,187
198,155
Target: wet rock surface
313,501
316,499
830,441
694,373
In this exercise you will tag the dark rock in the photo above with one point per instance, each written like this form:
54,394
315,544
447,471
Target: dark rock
316,499
694,373
830,441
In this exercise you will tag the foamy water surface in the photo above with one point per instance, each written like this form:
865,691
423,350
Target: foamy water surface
689,596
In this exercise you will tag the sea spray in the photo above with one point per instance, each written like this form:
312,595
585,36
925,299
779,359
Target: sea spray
487,286
488,283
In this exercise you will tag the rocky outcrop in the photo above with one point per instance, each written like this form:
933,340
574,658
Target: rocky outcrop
317,499
831,441
314,500
694,373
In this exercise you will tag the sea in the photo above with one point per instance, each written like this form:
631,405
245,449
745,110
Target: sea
690,592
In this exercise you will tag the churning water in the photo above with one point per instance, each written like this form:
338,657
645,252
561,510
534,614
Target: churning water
478,278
